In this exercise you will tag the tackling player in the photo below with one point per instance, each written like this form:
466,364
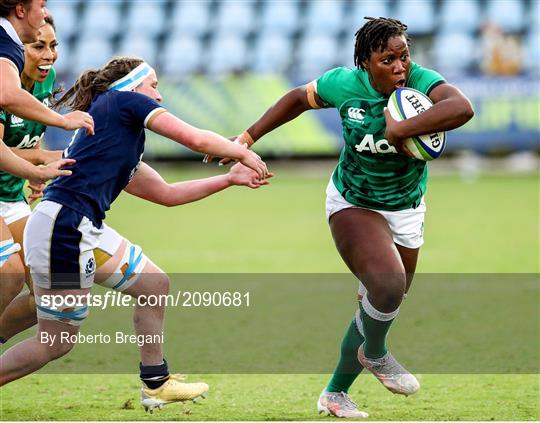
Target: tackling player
24,138
123,99
20,21
375,197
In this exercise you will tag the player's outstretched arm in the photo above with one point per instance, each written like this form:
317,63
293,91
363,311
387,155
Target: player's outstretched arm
287,108
11,163
149,185
451,109
204,141
22,104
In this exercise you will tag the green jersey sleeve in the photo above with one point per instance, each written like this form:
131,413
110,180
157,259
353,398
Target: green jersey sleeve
3,117
329,86
424,80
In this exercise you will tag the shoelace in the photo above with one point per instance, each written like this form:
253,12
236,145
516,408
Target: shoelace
178,377
347,402
393,367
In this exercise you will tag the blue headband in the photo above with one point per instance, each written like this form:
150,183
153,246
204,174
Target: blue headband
132,79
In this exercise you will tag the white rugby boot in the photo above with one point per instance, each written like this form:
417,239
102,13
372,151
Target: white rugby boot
339,404
390,373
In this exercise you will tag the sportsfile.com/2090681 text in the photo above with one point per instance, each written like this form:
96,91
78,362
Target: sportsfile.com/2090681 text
117,299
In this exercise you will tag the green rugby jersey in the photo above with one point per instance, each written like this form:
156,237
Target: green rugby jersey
23,134
370,173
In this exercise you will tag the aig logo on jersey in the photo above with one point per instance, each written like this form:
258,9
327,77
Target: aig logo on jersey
16,121
369,144
356,113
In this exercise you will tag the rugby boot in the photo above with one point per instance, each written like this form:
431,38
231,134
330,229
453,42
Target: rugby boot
390,373
339,404
173,390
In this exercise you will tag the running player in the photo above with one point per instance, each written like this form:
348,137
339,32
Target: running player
375,197
123,99
20,21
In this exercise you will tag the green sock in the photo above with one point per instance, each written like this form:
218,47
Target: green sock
376,326
348,367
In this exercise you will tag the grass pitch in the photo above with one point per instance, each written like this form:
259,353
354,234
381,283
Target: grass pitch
489,226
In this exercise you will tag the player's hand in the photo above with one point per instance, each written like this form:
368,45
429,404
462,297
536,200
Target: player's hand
208,158
244,139
36,194
49,156
77,119
391,133
253,161
52,170
242,175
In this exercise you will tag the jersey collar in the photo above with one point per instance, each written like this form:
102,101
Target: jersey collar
4,23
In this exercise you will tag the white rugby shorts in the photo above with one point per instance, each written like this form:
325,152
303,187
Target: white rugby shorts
13,211
407,226
59,247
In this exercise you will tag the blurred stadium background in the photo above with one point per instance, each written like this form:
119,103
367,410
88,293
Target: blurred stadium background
222,63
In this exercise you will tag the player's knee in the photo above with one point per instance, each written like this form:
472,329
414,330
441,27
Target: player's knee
162,284
13,277
59,349
388,291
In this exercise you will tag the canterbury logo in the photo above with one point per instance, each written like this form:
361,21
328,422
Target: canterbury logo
16,121
356,113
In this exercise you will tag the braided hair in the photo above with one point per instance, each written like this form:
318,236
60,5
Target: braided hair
374,36
96,81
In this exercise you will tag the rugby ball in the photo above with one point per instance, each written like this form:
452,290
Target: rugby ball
405,103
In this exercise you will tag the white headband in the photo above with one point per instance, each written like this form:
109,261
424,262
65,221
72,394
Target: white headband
132,79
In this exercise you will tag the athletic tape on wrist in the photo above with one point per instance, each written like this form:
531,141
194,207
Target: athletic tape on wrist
245,138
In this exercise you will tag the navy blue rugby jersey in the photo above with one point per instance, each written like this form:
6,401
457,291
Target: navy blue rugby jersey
107,160
10,48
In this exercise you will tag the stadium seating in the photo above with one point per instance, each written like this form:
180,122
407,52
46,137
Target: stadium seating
269,35
64,63
532,51
101,18
94,54
138,45
280,17
273,53
235,17
453,52
463,15
180,56
361,8
509,15
316,54
190,17
324,16
226,54
418,15
65,17
146,18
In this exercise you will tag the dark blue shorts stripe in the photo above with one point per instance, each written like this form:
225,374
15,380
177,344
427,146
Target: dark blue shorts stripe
65,252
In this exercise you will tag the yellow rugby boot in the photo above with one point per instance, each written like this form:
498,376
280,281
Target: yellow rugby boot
173,390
